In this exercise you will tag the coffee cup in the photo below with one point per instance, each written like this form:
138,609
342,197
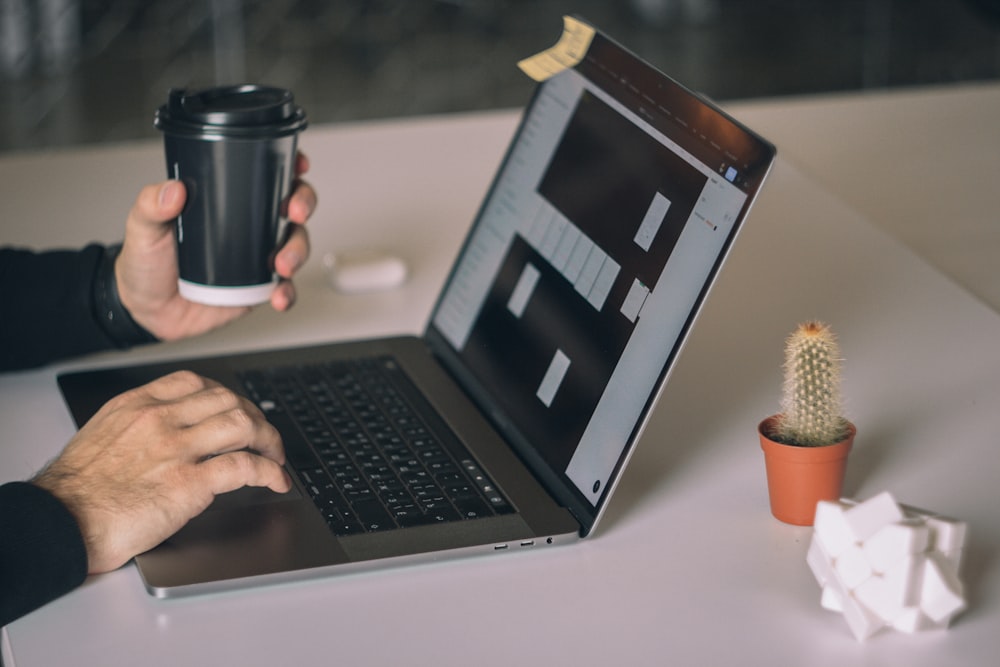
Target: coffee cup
234,148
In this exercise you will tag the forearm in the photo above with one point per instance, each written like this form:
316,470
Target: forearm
57,305
42,553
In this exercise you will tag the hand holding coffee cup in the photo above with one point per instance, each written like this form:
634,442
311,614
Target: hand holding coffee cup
234,148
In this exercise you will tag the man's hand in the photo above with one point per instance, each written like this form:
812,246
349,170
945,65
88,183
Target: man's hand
155,457
146,269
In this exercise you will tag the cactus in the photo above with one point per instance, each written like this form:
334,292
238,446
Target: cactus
812,412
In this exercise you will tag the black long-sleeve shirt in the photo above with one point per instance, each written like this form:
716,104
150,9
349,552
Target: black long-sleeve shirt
54,305
47,308
42,554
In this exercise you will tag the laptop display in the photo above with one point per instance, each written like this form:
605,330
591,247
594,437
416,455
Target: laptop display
590,258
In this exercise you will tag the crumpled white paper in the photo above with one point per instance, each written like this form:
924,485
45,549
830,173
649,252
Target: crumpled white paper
886,565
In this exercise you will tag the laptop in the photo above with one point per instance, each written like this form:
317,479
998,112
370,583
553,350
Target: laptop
507,424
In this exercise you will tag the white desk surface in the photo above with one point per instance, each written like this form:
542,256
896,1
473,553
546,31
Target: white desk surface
689,567
921,163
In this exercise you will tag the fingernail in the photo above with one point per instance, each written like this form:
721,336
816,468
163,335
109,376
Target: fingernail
169,193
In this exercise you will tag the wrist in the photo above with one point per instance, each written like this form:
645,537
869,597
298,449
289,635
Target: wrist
111,314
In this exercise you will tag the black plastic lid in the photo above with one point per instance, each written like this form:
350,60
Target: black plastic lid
231,111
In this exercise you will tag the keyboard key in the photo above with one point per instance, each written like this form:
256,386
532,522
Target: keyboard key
418,519
373,516
442,515
345,528
472,508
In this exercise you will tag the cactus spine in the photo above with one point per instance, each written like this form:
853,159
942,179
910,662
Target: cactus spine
812,411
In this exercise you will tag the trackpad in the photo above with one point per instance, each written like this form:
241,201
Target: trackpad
251,495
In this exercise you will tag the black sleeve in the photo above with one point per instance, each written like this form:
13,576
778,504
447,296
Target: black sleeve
42,554
60,304
55,304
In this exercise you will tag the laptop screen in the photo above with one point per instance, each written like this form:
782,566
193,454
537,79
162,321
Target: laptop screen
589,260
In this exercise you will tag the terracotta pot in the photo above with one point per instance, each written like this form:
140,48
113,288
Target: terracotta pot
800,477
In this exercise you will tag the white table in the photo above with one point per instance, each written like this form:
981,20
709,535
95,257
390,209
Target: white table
689,567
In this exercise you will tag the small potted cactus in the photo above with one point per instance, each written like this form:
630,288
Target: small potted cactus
806,444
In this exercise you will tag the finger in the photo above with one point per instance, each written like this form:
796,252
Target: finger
231,431
283,296
302,202
155,206
177,385
238,469
214,399
294,252
301,163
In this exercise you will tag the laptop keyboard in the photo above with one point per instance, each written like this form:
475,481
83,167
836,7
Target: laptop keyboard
369,462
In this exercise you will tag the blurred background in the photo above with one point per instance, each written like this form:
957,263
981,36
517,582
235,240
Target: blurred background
88,71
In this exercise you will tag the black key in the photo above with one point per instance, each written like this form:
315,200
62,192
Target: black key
336,458
345,472
418,519
442,515
413,475
434,504
425,443
404,512
312,476
439,468
427,492
349,487
357,495
457,493
373,516
505,508
499,503
397,498
448,478
472,508
345,528
297,451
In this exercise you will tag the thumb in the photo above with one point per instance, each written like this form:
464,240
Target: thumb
155,206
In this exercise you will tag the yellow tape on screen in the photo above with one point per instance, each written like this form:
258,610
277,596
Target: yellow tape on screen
568,51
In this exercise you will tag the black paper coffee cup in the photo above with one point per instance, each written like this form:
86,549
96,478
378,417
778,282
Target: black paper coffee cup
234,149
